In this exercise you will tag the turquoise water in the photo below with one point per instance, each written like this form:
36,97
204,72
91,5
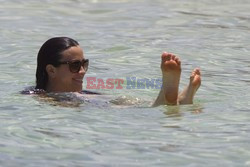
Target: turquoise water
125,38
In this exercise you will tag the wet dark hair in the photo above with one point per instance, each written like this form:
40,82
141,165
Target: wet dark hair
50,53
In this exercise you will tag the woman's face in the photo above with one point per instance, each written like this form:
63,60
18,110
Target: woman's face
65,80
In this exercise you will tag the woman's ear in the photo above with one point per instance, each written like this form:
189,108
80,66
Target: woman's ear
51,70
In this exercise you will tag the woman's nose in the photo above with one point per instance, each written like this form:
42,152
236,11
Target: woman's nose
82,70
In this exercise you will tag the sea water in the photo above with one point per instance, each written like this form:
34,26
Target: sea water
124,39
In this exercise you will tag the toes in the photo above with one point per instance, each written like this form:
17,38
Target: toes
177,60
165,56
170,57
195,74
192,75
197,71
173,56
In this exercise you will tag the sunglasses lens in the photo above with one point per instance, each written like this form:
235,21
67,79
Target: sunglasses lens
75,66
85,64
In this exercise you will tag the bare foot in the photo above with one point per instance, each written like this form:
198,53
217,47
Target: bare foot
171,72
186,97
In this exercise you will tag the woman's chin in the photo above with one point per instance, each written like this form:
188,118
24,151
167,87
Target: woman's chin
77,89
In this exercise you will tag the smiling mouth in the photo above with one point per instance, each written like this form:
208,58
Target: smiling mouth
78,80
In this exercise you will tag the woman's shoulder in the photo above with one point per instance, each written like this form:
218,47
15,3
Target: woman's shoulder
32,90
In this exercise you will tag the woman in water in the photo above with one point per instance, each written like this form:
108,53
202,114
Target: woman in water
61,66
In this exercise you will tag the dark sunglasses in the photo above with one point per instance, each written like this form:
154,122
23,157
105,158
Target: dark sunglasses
75,66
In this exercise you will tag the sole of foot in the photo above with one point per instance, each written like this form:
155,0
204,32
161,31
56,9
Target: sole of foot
171,72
